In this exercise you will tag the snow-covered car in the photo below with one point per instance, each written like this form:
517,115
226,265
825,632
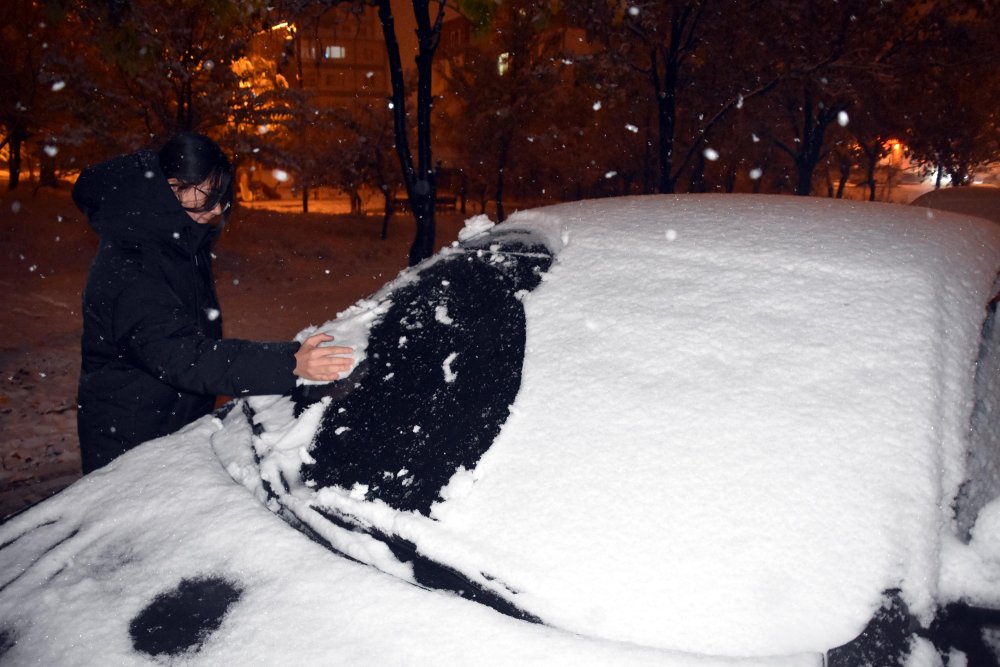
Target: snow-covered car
979,200
692,430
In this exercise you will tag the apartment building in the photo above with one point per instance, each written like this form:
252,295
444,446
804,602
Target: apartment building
339,55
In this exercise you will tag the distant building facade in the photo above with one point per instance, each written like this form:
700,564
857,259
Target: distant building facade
338,55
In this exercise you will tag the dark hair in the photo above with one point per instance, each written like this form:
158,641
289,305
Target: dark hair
192,159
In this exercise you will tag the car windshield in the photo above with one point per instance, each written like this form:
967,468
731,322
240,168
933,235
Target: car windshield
443,367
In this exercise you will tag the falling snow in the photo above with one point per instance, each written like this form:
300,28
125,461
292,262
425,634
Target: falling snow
262,549
441,315
449,374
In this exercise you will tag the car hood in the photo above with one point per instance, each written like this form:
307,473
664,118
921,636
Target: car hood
84,577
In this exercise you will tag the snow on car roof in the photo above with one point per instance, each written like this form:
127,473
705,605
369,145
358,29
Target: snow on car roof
729,404
741,419
801,373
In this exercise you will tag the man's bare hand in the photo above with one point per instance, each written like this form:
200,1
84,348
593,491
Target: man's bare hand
322,364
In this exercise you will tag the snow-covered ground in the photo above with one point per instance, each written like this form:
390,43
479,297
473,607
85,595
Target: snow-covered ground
276,273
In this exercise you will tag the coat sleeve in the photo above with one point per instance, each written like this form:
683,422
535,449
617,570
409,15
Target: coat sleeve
157,335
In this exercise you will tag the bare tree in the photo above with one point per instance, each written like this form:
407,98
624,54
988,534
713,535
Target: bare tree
28,108
417,170
669,45
418,175
954,126
835,61
501,83
173,59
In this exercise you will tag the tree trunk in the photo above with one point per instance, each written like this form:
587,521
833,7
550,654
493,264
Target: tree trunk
462,192
14,140
648,158
47,172
698,175
665,89
389,210
421,187
809,154
501,169
870,180
729,184
803,177
845,174
804,166
426,190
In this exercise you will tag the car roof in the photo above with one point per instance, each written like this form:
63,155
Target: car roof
982,201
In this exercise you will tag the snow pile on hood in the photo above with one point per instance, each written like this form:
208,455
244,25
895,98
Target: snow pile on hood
77,570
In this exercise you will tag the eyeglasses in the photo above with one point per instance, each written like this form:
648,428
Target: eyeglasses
209,196
212,195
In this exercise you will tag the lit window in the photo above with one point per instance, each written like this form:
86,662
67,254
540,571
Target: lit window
334,52
503,63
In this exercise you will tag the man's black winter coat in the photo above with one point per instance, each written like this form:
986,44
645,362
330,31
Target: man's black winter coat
153,354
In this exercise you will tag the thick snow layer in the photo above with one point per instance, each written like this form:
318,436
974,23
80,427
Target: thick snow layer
741,420
729,405
753,404
79,568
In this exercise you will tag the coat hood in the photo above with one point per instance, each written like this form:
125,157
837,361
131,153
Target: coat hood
127,198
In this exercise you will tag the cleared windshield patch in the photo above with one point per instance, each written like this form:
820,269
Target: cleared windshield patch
183,619
443,366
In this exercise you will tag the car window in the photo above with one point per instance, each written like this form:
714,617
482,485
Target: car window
443,366
983,463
